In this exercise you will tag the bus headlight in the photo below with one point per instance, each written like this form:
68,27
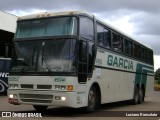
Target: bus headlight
12,86
11,96
60,87
15,85
57,87
63,98
60,98
63,87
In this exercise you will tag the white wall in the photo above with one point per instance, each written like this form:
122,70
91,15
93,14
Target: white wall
7,22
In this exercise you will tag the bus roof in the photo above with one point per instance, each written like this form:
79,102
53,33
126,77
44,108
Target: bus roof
47,14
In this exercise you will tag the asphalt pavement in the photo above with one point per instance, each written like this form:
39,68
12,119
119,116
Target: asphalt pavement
148,110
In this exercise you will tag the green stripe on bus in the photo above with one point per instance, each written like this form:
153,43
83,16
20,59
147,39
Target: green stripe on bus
141,73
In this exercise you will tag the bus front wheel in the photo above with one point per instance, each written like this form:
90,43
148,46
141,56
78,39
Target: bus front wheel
92,100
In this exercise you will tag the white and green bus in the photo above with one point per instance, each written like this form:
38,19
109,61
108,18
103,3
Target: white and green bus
73,59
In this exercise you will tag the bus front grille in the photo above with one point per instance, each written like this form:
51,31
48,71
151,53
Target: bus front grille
30,86
36,98
44,86
26,86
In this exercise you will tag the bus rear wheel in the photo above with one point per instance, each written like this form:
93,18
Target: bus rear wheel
40,108
140,96
136,96
92,100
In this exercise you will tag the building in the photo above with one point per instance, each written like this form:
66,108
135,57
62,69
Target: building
7,30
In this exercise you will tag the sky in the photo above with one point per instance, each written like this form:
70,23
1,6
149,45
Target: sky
137,18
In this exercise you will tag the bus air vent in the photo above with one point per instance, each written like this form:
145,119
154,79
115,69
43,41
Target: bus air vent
26,86
44,86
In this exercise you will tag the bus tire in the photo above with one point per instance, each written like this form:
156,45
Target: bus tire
143,91
136,96
140,96
40,108
92,100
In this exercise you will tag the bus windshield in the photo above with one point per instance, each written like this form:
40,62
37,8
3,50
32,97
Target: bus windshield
47,27
45,56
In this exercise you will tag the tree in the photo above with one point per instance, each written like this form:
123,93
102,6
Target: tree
157,75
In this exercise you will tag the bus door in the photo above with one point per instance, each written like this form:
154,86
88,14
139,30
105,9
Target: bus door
85,66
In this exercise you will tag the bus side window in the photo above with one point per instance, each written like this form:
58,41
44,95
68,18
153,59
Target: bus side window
107,40
103,37
137,51
86,28
128,50
100,35
117,42
144,54
150,57
130,47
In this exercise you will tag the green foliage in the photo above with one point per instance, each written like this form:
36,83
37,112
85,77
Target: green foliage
158,80
157,75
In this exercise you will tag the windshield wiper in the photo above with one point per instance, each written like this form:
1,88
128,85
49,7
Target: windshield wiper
46,61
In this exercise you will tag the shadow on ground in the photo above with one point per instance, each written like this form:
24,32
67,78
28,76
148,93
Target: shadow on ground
103,111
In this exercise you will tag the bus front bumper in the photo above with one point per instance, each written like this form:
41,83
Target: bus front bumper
48,98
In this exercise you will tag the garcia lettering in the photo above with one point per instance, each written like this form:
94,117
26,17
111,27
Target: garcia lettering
120,62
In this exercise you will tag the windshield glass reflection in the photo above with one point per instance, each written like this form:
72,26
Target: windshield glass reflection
45,56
